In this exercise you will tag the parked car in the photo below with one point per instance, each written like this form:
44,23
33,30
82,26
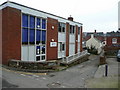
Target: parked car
118,56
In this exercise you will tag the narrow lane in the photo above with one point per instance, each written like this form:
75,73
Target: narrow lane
73,77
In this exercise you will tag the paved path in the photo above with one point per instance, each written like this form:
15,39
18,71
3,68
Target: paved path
100,80
73,77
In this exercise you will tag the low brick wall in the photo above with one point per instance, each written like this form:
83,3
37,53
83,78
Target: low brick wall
52,65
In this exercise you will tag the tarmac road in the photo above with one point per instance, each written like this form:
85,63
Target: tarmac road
73,77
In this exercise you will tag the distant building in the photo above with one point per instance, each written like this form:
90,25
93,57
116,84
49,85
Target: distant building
94,42
113,39
98,35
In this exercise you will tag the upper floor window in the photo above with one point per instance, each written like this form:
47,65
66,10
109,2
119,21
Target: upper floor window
33,27
43,24
24,20
61,27
38,23
78,30
114,40
32,22
72,29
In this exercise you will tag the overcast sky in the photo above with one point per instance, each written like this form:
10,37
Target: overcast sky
101,15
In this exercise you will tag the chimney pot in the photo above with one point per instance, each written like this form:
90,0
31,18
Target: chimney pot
70,18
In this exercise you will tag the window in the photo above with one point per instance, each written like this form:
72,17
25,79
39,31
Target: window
24,36
38,23
43,37
38,58
114,40
62,46
32,36
43,24
43,57
72,29
61,27
28,29
38,36
78,30
43,49
32,22
38,50
24,20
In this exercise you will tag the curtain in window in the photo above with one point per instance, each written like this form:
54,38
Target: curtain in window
24,20
32,22
43,24
32,36
25,36
43,37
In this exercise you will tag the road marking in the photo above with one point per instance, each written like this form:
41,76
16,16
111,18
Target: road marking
35,76
27,73
44,78
23,74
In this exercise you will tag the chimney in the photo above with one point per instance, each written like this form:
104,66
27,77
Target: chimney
70,18
95,31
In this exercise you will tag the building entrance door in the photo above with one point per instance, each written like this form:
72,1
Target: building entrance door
40,53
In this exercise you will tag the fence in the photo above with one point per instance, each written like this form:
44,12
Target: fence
74,57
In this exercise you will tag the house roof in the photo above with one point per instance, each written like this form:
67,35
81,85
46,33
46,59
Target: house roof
98,35
113,34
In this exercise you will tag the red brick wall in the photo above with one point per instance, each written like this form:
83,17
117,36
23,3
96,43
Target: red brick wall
76,39
109,40
81,30
0,36
67,39
52,52
11,34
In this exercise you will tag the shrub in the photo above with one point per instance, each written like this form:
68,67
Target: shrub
92,50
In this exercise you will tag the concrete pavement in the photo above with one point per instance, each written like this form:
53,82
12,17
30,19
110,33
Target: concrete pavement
100,80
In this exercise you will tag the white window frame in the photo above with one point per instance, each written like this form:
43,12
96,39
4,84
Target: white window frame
114,40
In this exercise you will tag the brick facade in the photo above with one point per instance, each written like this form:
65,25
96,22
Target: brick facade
81,35
109,40
52,52
11,34
67,39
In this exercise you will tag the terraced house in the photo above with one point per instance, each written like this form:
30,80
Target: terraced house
29,34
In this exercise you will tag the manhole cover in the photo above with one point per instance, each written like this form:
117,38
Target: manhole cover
53,85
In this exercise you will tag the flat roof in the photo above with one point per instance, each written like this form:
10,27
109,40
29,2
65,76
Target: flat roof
37,10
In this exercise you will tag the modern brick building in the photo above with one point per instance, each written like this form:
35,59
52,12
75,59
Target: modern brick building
29,34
